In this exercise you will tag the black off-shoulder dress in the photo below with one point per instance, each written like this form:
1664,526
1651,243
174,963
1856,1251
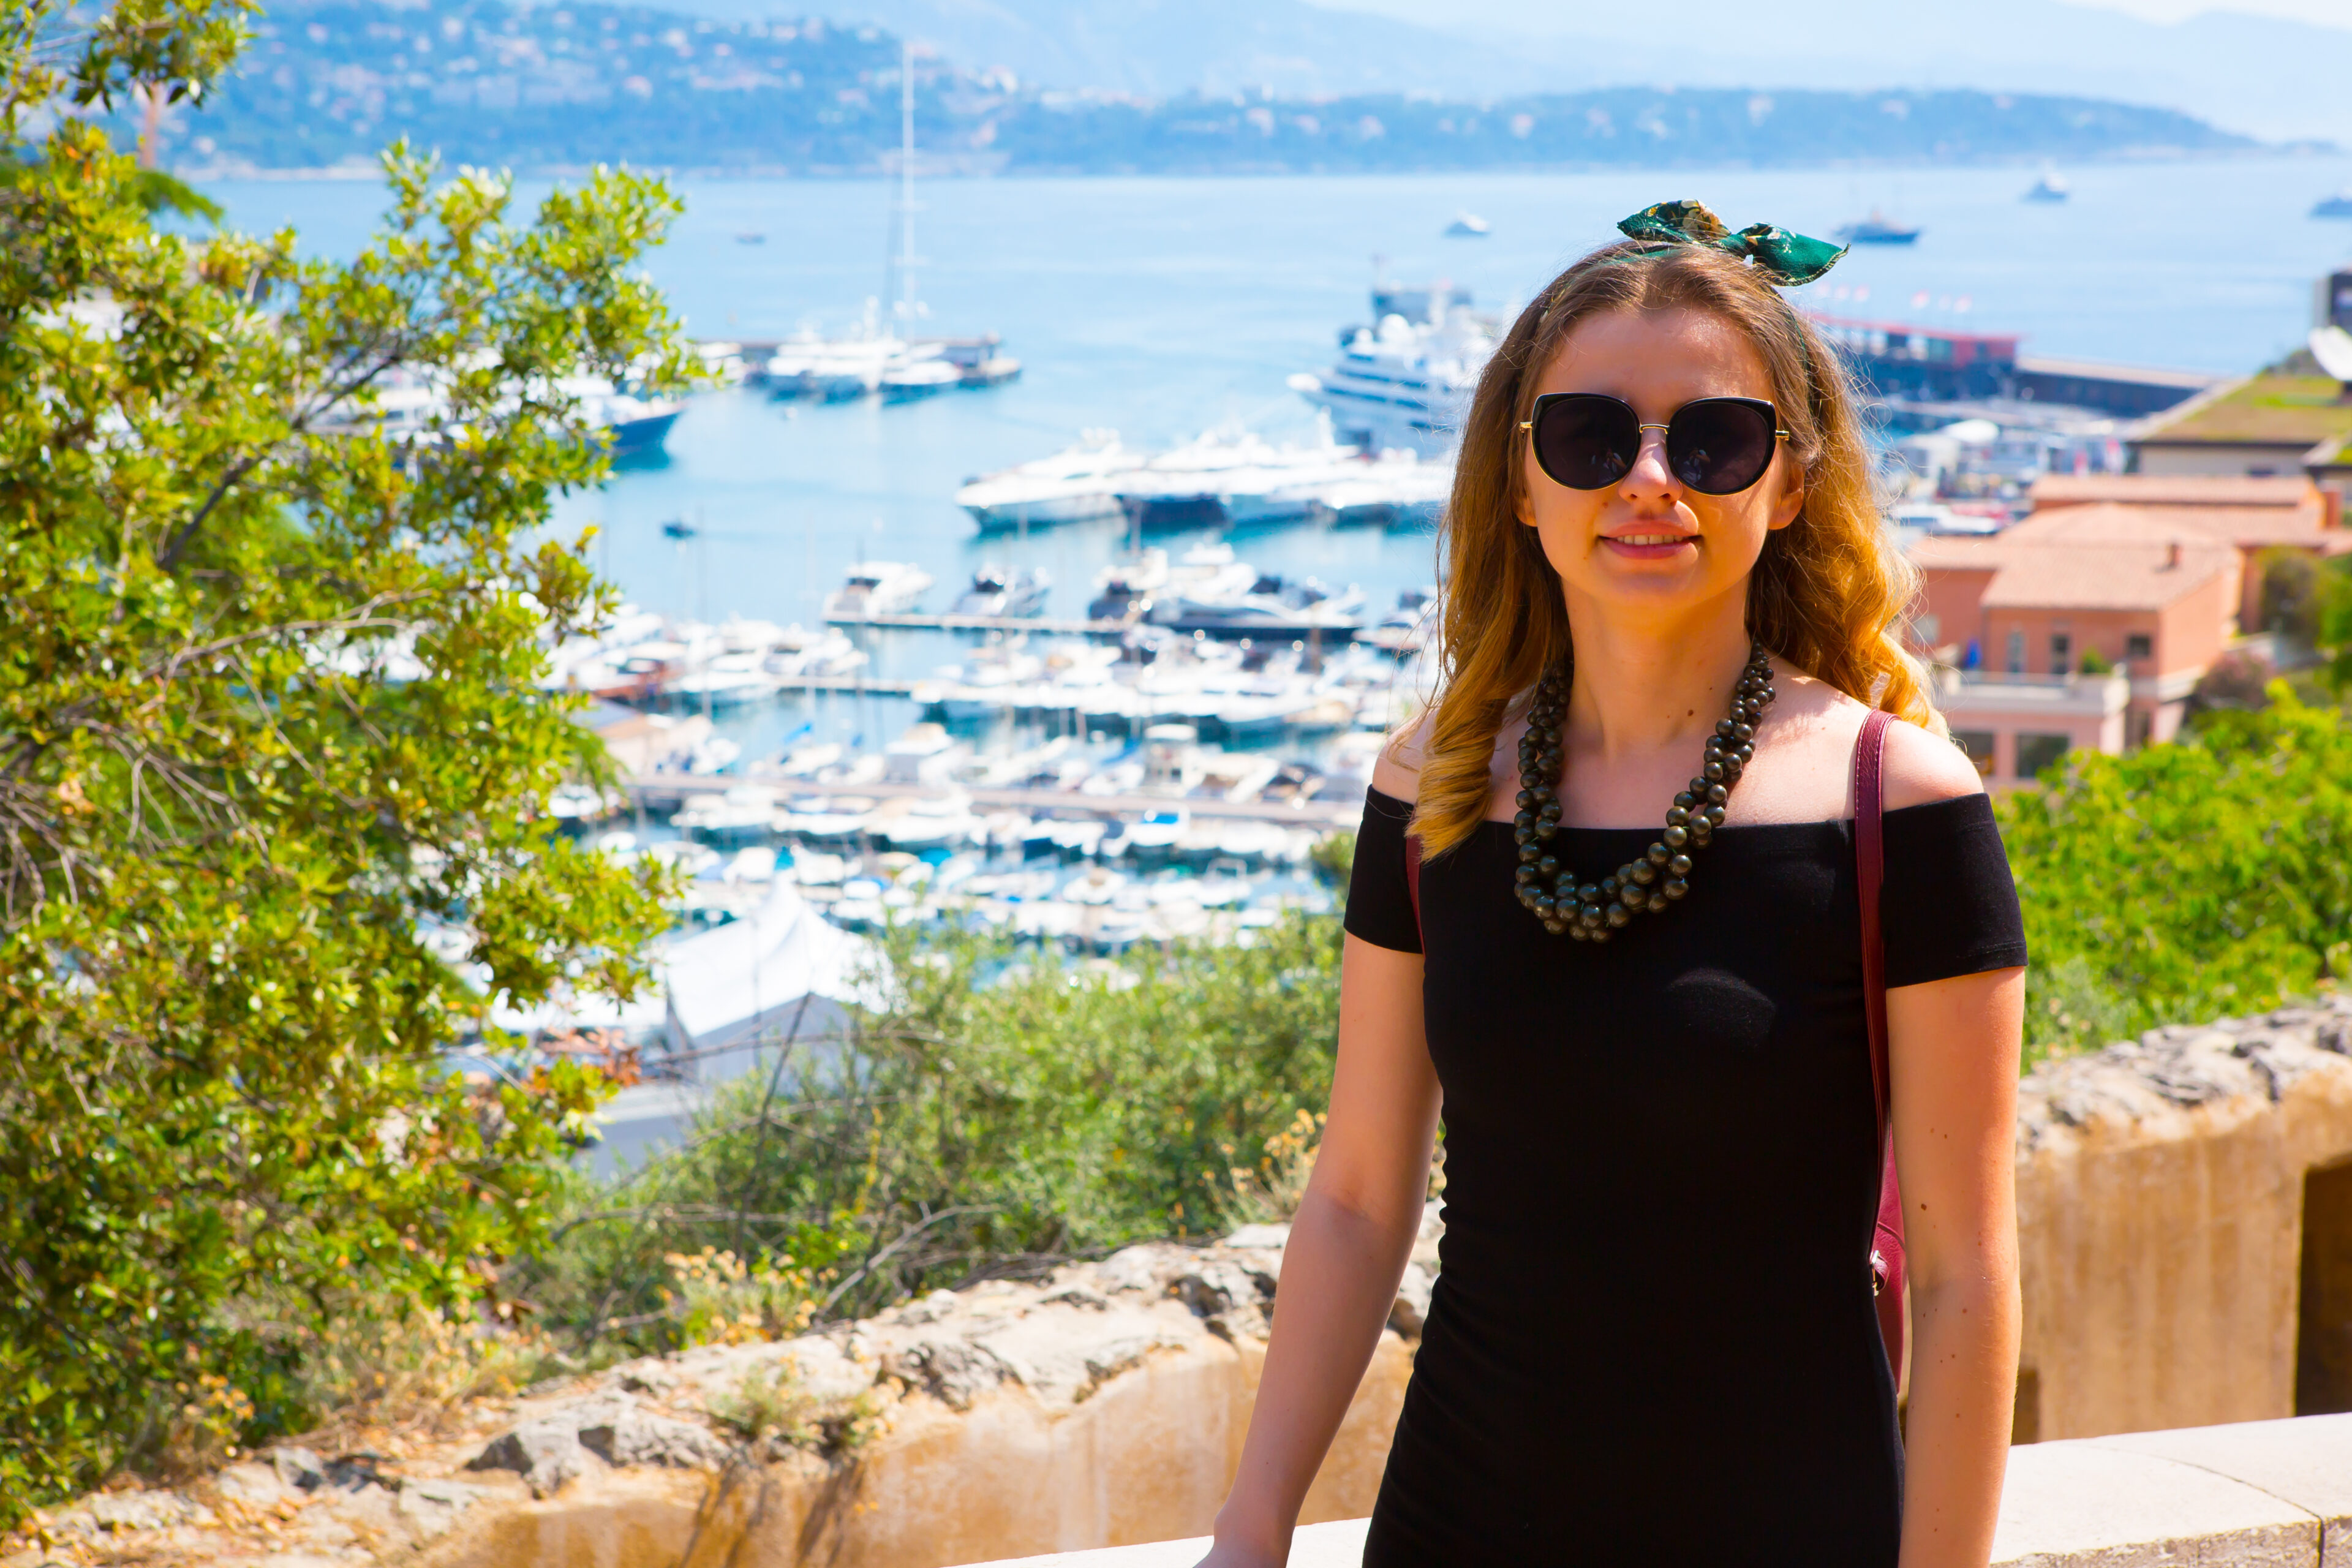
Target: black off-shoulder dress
1653,1341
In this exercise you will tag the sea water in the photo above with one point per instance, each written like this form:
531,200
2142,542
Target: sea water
1162,307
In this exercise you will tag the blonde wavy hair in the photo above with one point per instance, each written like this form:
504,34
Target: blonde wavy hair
1827,595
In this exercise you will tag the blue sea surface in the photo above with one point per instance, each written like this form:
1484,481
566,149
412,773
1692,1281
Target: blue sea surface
1162,307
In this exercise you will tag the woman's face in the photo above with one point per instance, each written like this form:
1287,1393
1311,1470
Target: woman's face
1650,545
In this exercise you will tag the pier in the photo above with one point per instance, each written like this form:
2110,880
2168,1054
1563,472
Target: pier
945,622
663,791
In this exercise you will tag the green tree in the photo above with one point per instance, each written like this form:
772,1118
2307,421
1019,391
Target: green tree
269,721
2182,881
997,1113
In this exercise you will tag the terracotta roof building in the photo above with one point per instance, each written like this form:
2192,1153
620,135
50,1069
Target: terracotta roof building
2152,596
2250,514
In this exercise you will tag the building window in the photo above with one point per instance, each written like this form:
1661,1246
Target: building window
1977,744
2017,653
1928,630
2061,654
2139,647
2035,752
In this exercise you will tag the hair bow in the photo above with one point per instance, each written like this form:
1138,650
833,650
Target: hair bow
1786,258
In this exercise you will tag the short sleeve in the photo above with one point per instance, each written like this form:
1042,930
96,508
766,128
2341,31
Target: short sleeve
1380,899
1949,905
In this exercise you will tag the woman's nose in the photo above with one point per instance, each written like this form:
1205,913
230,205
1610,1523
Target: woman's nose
1651,473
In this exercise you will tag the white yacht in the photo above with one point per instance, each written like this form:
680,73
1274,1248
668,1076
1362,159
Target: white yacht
919,373
1268,607
1004,591
1125,588
1072,485
877,588
1405,382
2051,187
834,369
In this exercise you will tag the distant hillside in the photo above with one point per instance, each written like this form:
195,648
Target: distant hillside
539,88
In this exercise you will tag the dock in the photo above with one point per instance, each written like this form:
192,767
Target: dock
922,623
667,790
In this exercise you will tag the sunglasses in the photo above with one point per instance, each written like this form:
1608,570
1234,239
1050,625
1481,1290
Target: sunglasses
1715,445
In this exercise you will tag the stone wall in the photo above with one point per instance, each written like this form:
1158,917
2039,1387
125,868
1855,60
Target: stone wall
2160,1197
2168,1282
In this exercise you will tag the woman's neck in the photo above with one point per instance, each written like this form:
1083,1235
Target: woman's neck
1643,684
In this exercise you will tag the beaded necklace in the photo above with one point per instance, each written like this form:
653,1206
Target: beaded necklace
1592,911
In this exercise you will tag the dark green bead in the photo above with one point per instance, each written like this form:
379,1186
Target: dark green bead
1658,855
1700,787
1683,802
1715,817
1526,800
1657,903
1523,875
1607,889
1675,887
1632,896
1717,795
1602,935
1746,753
1677,817
1543,793
1679,866
1579,933
1590,893
1524,820
1743,732
1723,728
1544,830
1588,913
1645,873
1714,769
1554,927
1675,835
1528,854
1548,811
1618,915
1523,836
1548,867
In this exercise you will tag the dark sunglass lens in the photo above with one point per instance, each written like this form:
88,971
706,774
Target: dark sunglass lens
1587,443
1720,446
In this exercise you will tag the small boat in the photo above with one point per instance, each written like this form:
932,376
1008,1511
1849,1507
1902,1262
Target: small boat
2051,187
1268,607
1070,486
877,588
998,591
1468,225
914,378
2338,206
1124,588
1879,229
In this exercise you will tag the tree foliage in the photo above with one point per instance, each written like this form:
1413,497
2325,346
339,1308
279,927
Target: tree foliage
985,1121
268,719
2185,882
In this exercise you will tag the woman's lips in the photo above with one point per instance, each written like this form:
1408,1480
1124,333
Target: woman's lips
1653,545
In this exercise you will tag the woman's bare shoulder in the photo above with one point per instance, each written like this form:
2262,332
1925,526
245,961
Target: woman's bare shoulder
1922,766
1397,774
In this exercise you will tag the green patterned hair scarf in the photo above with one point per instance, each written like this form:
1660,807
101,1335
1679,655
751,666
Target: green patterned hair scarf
1785,257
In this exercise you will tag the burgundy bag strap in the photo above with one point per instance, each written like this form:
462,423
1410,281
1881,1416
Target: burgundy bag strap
1412,883
1886,1260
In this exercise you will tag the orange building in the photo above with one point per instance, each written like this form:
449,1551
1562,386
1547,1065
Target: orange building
2250,514
2152,596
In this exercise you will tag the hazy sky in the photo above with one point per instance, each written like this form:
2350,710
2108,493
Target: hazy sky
2331,13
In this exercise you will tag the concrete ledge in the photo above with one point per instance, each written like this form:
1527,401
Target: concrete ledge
1337,1545
2262,1494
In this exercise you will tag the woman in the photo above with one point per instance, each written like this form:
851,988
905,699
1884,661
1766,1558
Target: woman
1653,1340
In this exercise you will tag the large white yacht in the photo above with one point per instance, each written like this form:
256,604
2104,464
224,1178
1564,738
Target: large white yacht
1072,485
1404,382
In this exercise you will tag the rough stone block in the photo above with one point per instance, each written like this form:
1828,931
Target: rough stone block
2306,1462
1337,1545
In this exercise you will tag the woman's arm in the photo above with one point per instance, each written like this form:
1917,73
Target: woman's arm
1348,1247
1954,1047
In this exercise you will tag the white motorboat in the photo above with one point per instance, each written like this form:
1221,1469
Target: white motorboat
1409,627
1405,382
2051,187
1070,486
918,375
1269,607
877,588
1468,225
1394,492
1124,588
1004,591
727,681
834,369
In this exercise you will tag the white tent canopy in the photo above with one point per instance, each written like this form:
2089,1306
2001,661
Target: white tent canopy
784,971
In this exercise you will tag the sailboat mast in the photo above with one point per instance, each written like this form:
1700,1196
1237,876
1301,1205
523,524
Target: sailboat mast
906,181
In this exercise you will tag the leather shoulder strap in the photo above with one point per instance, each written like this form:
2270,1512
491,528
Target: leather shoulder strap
1870,867
1412,883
